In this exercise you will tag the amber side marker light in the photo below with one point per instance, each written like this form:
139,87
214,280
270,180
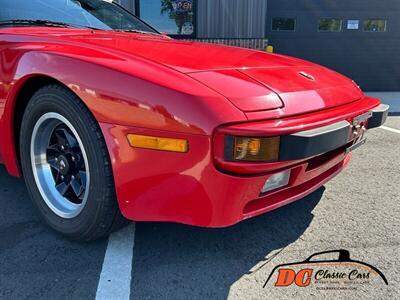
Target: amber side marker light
251,149
158,143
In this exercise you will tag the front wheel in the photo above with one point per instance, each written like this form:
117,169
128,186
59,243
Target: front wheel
66,166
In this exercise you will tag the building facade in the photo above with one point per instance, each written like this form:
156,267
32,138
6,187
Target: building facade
359,38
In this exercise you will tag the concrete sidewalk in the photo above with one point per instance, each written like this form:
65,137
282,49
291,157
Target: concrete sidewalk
391,98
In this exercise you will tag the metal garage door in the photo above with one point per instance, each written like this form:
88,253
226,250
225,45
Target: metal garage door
359,38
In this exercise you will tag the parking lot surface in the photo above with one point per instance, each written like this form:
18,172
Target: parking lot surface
359,211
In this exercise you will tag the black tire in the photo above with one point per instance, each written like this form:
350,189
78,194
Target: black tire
100,215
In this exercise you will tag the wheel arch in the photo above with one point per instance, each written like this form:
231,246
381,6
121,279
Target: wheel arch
17,104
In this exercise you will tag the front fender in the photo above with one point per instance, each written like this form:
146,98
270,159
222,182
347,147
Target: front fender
170,101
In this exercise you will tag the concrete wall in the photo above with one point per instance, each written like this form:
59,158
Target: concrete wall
231,18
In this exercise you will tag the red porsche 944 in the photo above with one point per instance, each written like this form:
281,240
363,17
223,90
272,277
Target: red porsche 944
108,120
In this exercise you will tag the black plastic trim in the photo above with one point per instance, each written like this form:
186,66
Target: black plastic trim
379,116
313,142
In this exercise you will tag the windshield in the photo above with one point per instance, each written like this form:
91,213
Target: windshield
99,14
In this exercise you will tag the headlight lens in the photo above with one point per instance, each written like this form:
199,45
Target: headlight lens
252,149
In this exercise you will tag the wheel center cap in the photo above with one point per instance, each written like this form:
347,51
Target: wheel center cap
63,165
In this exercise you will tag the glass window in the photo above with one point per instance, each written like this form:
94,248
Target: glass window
330,25
175,17
90,13
283,24
374,25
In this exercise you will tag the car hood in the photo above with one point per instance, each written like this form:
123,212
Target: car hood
183,56
251,80
295,89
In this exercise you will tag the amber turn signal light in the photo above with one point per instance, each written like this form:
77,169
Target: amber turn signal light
252,149
158,143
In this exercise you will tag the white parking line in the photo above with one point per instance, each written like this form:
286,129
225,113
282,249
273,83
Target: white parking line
115,277
390,129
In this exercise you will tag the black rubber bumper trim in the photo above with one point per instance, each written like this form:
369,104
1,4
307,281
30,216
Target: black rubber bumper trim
379,116
309,143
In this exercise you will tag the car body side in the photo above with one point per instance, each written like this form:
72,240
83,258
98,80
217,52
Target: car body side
130,94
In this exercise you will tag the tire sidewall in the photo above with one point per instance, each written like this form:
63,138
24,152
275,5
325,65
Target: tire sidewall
60,102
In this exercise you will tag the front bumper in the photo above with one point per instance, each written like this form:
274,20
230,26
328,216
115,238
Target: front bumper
324,139
195,189
379,116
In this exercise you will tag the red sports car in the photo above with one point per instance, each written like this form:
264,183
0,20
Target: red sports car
108,120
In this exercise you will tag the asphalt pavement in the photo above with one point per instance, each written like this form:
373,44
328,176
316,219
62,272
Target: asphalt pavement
358,211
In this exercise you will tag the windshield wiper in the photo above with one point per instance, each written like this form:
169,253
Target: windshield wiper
48,23
136,31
